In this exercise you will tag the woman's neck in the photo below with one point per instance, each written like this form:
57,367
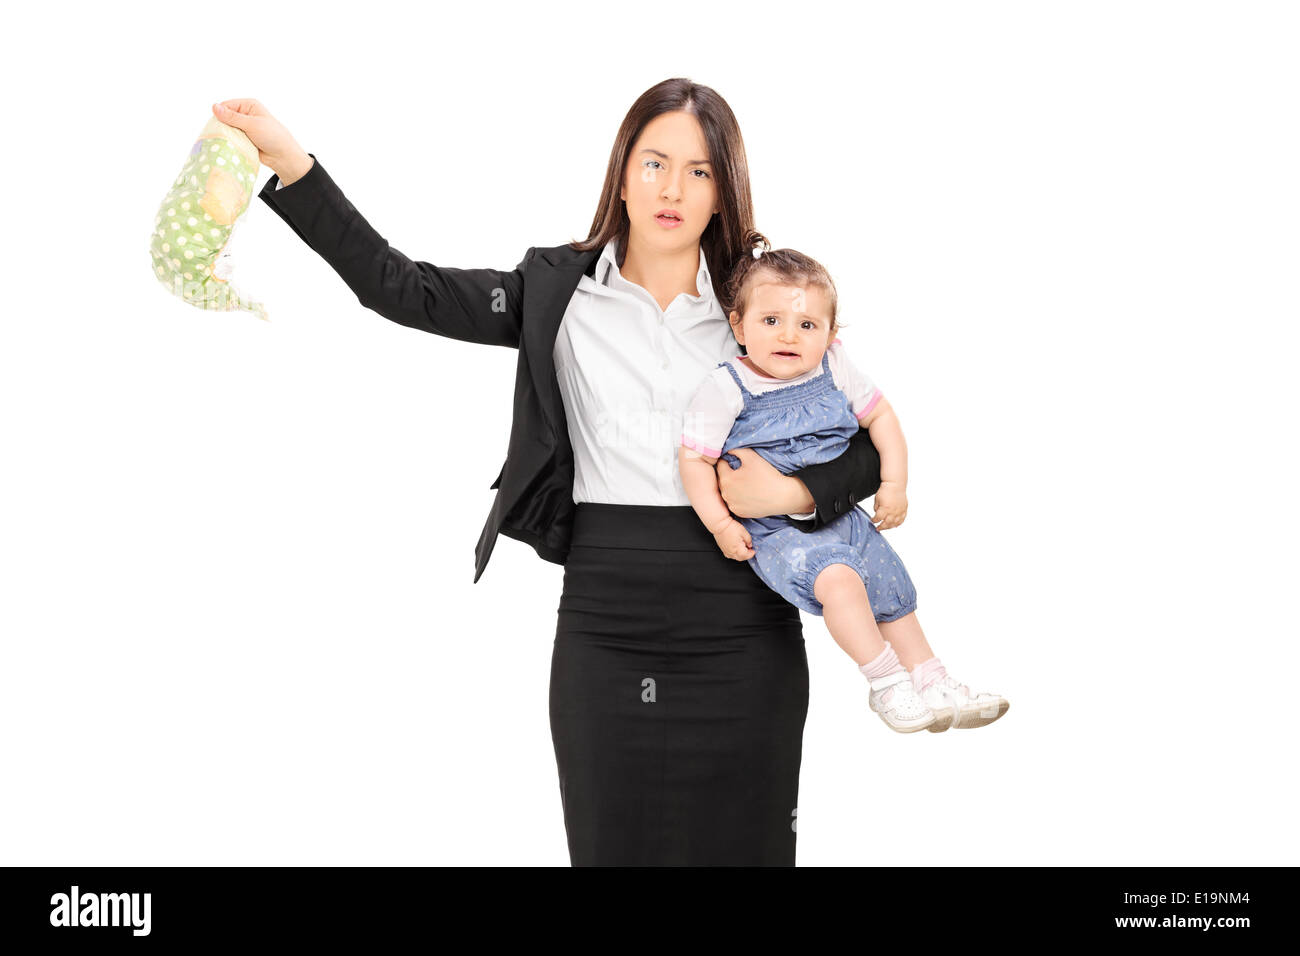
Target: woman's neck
665,275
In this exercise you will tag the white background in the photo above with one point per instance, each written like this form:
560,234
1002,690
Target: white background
238,621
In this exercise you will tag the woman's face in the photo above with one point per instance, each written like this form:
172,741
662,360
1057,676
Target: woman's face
786,329
669,171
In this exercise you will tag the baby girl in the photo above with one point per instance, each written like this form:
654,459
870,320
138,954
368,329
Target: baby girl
795,399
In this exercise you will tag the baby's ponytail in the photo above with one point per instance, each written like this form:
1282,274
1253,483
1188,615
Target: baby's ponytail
734,294
784,265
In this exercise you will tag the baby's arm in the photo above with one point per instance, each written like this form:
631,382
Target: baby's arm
707,422
701,484
876,415
887,435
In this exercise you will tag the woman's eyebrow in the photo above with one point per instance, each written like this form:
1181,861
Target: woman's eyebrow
693,162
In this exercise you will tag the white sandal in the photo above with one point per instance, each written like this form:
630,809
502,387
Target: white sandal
899,705
969,710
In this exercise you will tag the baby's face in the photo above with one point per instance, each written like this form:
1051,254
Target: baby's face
786,329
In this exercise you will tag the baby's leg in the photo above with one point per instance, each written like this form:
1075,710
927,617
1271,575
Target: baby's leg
846,606
847,610
893,589
908,639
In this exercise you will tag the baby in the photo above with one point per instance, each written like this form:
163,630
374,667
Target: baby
795,399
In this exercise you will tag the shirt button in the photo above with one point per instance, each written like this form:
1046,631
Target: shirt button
837,506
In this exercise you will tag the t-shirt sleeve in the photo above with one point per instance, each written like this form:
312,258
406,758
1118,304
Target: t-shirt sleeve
852,381
711,413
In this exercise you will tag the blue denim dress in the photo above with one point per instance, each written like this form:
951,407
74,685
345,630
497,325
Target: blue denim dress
794,427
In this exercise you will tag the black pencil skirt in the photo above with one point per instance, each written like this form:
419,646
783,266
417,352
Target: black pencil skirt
679,689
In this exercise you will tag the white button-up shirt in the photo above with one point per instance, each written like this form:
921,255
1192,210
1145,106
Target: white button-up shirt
627,371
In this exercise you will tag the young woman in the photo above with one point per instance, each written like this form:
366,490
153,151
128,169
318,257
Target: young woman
679,681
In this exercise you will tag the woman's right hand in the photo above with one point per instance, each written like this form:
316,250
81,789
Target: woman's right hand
276,147
734,541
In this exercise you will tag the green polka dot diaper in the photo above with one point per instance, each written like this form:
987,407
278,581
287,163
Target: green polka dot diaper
192,230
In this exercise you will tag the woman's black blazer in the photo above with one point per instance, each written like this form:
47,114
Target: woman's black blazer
521,308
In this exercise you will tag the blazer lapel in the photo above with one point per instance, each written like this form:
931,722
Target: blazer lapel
546,300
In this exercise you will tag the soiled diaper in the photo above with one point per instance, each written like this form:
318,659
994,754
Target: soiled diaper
194,224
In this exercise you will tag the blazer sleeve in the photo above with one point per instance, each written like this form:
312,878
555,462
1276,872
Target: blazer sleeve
838,485
473,305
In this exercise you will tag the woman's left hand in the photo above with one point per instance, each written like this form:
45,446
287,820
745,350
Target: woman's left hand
757,490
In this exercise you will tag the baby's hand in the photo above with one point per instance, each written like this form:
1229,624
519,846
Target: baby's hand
891,506
734,541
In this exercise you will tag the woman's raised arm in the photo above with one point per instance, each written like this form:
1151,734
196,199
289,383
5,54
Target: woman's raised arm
473,305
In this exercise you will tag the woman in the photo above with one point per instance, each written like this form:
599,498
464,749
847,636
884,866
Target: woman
679,682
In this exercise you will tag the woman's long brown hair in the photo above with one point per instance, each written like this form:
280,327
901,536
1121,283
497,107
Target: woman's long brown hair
730,234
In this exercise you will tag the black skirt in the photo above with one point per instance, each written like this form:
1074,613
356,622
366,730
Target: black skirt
679,689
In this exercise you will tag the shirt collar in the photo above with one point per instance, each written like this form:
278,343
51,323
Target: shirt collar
607,269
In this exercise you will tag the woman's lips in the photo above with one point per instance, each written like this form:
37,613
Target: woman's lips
668,219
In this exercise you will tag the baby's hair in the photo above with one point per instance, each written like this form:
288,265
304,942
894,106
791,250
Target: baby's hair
787,266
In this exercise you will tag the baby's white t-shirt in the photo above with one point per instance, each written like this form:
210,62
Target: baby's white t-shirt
718,401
